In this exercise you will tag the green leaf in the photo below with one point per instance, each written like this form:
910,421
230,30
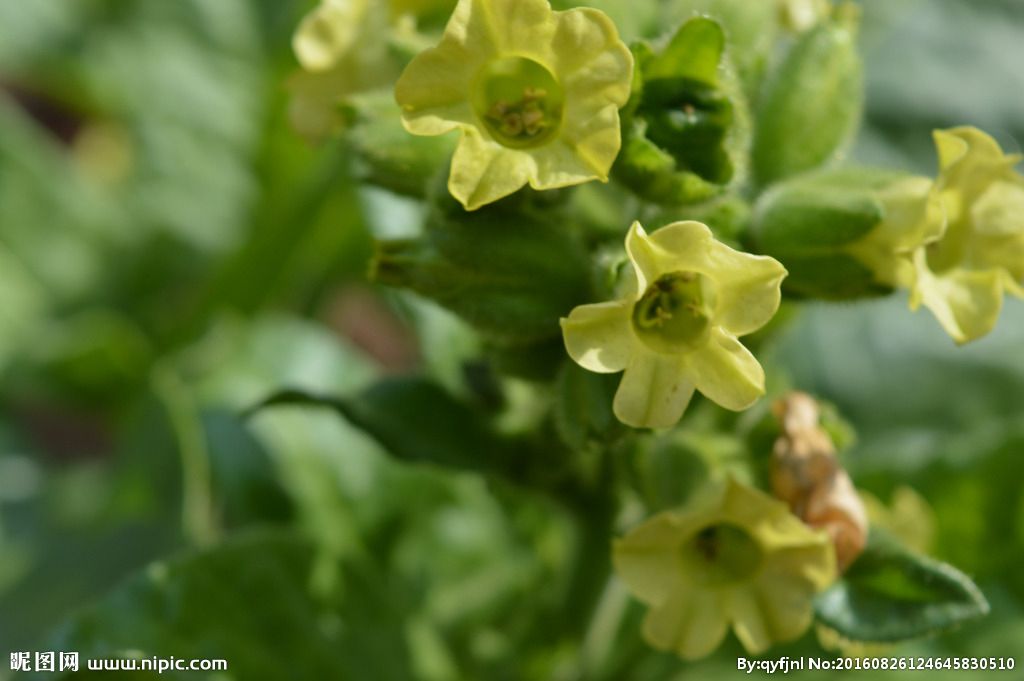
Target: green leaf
251,602
416,421
890,594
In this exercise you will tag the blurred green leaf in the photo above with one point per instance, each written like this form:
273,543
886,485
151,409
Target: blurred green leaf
416,421
252,602
890,594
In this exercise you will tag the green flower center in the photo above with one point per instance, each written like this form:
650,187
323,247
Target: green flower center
674,313
519,101
722,554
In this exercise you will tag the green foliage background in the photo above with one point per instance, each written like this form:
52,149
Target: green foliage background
171,253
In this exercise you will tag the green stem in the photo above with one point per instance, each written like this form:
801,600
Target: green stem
197,517
599,643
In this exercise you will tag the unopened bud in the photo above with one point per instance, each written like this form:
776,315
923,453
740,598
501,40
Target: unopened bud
511,269
686,128
847,233
812,105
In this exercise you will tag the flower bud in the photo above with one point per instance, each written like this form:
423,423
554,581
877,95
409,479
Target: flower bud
812,105
751,30
385,154
510,270
684,129
848,233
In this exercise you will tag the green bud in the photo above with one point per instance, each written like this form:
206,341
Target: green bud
510,269
845,234
812,106
684,129
750,29
385,154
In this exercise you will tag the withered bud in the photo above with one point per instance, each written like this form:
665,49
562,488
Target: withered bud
806,474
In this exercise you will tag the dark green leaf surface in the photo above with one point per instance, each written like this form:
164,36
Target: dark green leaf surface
890,594
416,421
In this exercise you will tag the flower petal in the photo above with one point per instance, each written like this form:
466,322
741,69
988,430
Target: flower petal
692,623
524,27
772,611
965,302
1000,210
654,391
681,246
969,161
778,606
748,286
648,558
726,372
433,91
644,256
598,337
596,70
483,171
813,560
563,164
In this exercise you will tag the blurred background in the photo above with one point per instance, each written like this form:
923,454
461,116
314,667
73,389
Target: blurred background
171,252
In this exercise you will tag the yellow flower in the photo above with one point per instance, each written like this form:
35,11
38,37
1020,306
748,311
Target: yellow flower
536,94
342,50
734,557
687,298
962,276
329,33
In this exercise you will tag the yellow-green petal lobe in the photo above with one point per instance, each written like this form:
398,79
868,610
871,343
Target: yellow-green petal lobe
683,245
969,162
432,92
643,255
483,171
690,624
680,246
965,302
596,69
598,337
654,391
967,143
522,27
749,288
763,617
648,558
999,212
726,372
561,164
